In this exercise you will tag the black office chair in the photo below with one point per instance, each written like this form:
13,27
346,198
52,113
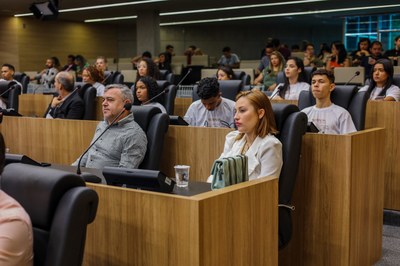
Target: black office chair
88,94
23,79
396,80
228,88
347,97
169,98
60,208
292,125
114,77
155,125
241,75
163,74
12,95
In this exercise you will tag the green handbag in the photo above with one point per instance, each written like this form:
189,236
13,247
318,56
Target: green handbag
229,171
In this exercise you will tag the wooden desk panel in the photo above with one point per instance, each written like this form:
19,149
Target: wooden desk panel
33,105
386,114
215,228
338,194
181,106
339,202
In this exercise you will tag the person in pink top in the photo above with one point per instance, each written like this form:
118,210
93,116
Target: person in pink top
16,238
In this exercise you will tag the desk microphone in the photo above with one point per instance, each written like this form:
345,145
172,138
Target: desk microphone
165,91
278,89
184,77
357,73
11,84
90,177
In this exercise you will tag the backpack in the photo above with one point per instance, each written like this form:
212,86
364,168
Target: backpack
229,171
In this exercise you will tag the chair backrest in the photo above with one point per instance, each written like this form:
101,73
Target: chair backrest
241,75
114,77
60,208
11,97
155,125
23,79
169,99
163,74
396,80
347,97
228,88
88,94
292,125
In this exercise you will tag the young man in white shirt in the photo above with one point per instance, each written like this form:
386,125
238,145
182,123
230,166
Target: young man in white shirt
211,110
326,116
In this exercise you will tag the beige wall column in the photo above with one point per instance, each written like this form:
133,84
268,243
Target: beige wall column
148,32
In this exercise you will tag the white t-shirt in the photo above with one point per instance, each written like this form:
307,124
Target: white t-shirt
100,89
159,105
221,116
294,90
330,120
393,91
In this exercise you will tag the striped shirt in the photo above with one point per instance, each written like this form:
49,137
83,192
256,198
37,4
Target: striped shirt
123,145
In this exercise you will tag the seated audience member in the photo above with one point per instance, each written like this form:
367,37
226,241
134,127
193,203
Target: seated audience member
375,53
381,86
254,137
326,116
70,66
394,53
80,63
324,53
189,52
283,49
295,48
102,65
362,51
16,236
7,73
147,67
211,110
94,77
145,89
47,75
125,143
68,104
224,73
169,53
264,62
162,62
268,76
136,60
339,56
294,80
310,60
229,59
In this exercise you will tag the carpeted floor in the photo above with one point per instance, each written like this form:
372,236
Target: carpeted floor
391,239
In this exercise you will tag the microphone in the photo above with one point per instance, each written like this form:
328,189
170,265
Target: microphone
91,177
355,75
10,88
277,91
165,91
184,77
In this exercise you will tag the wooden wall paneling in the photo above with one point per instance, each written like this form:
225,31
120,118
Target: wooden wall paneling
386,114
181,106
9,52
39,40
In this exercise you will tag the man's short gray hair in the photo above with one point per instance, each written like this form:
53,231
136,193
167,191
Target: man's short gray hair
125,91
66,80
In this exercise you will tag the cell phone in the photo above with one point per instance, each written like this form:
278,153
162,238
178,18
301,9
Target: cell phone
45,164
311,127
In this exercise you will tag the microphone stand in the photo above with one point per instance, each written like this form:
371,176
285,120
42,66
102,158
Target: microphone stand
277,91
184,77
127,107
355,75
165,91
